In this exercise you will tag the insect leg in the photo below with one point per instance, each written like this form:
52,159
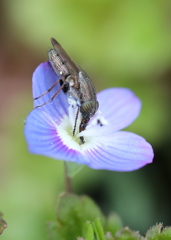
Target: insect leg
51,97
48,90
76,117
82,127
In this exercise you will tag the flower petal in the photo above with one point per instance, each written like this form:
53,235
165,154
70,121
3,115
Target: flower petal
43,138
49,131
119,106
43,79
121,151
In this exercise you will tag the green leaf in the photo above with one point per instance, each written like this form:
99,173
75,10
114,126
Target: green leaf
154,232
73,168
98,229
127,234
166,234
72,213
80,218
88,231
113,224
52,228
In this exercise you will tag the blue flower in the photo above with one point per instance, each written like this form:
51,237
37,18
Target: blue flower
49,129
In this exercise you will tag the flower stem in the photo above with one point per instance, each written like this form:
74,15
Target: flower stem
68,180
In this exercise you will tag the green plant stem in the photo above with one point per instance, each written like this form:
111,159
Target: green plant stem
68,180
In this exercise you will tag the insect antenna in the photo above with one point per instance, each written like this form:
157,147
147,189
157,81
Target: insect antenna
47,90
76,118
51,97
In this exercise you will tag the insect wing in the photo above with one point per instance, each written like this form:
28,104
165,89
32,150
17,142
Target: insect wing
86,87
65,57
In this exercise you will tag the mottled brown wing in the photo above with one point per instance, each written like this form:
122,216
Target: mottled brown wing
86,87
68,61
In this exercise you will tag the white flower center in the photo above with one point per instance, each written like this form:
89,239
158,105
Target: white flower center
68,131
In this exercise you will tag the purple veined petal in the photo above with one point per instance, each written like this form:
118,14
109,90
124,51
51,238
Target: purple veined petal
121,151
119,106
43,78
48,129
43,138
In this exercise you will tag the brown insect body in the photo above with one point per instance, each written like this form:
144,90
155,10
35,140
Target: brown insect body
63,65
89,103
74,82
79,85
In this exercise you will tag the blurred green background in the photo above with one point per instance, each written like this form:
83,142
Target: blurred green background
118,43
